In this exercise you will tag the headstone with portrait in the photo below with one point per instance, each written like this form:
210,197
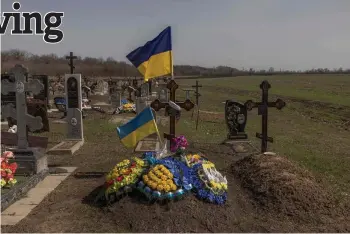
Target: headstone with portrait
74,107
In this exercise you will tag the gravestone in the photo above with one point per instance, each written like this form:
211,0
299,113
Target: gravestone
143,98
29,160
236,119
115,93
44,94
105,88
116,98
74,108
75,136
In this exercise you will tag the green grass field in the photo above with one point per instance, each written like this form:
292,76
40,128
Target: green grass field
313,129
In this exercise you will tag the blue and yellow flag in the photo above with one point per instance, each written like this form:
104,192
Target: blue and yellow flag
154,59
138,128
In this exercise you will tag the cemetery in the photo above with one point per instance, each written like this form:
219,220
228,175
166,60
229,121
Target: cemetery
215,156
209,159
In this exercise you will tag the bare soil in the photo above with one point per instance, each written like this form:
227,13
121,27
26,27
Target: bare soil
282,187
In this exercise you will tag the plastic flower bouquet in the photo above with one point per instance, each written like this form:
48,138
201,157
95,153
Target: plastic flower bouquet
7,170
125,173
209,184
128,108
178,145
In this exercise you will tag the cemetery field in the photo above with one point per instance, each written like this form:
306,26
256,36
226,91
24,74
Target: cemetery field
313,131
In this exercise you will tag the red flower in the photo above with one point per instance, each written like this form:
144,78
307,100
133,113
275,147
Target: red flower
120,178
3,174
3,165
110,182
13,167
133,165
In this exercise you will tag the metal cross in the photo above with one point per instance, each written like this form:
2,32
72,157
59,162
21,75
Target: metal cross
263,111
197,94
157,105
71,57
20,112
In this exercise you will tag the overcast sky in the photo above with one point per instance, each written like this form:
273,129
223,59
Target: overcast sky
287,34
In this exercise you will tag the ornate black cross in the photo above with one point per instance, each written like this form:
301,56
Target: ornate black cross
71,57
263,107
197,94
157,105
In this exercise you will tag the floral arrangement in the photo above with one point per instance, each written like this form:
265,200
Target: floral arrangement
178,145
170,177
176,177
209,184
125,173
160,179
7,170
193,159
158,184
128,107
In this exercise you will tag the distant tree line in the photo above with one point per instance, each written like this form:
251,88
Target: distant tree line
53,65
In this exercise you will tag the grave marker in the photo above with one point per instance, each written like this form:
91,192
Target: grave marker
75,136
74,108
263,111
236,119
71,58
157,105
197,95
44,94
29,160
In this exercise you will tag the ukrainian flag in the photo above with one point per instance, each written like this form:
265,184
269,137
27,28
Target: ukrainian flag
138,128
154,59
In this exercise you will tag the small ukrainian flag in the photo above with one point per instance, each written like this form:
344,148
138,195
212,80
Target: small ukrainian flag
155,58
138,128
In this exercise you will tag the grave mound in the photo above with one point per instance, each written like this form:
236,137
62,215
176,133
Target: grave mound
278,184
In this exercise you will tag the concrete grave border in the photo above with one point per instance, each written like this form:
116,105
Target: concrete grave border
56,150
18,191
21,208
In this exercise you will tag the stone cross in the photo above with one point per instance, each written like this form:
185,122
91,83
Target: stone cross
263,111
71,58
197,94
20,112
157,105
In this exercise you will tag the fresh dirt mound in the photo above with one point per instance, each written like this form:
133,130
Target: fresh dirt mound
279,185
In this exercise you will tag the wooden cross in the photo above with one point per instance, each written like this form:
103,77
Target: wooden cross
20,112
197,94
157,105
71,57
263,111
